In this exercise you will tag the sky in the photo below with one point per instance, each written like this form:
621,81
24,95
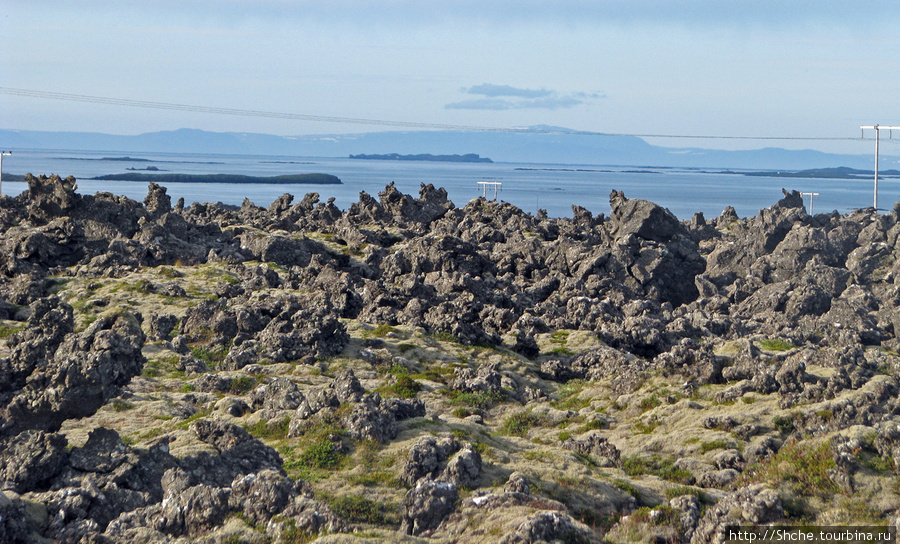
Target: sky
736,68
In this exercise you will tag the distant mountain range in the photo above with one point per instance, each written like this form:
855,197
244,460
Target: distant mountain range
536,146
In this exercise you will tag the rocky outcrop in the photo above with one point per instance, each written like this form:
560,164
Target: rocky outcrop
427,505
366,415
55,374
748,506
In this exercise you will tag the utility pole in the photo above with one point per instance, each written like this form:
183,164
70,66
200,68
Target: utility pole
878,129
1,168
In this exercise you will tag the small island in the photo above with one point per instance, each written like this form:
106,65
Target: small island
468,157
309,179
841,172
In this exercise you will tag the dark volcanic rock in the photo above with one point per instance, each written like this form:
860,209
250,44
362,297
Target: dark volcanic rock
103,452
31,460
51,197
239,454
262,495
157,201
548,527
656,248
604,453
84,372
697,302
13,521
427,505
750,505
641,218
426,458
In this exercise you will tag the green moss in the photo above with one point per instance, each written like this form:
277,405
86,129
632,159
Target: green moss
785,424
568,396
242,385
663,515
276,430
437,374
142,287
216,275
291,534
627,487
594,424
859,513
56,285
153,368
319,454
315,452
381,331
445,336
121,405
680,490
656,466
404,387
875,462
199,415
645,427
358,509
518,424
560,337
375,478
152,433
211,357
168,272
776,344
803,467
648,403
481,400
714,445
461,412
7,330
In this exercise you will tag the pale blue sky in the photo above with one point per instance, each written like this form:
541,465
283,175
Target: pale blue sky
733,67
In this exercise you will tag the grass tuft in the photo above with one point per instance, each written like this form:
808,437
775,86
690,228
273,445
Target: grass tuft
656,466
519,423
802,467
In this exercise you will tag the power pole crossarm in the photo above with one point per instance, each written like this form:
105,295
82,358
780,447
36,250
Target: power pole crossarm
498,186
878,129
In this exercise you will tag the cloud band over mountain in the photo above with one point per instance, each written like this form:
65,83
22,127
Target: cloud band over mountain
506,97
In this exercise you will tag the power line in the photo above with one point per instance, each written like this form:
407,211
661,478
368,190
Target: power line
29,93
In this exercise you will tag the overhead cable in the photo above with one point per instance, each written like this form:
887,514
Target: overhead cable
29,93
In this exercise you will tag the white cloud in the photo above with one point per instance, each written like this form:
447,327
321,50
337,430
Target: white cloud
507,97
487,89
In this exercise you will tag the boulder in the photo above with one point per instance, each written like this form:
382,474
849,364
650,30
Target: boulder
548,527
427,505
84,372
31,460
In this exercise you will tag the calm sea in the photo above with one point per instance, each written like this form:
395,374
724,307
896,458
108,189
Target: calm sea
528,186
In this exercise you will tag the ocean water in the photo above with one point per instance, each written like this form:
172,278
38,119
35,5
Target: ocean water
528,186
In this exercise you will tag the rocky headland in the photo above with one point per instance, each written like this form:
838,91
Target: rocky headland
411,371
